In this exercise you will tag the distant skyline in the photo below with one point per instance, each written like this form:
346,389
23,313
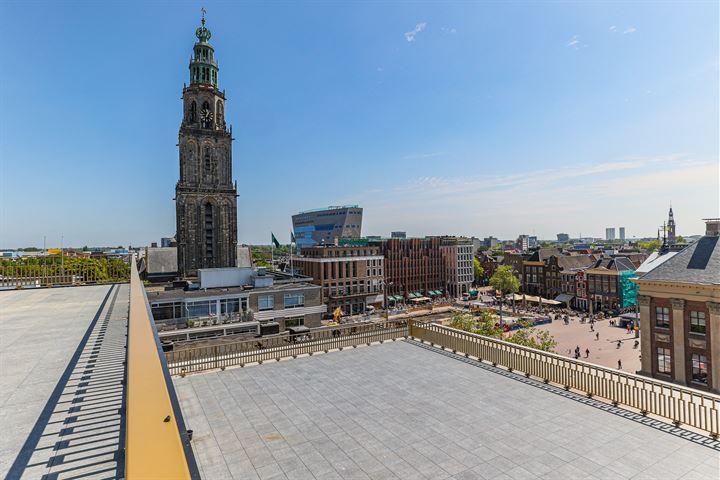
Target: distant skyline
446,118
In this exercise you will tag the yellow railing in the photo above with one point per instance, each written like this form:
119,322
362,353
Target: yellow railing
679,404
154,448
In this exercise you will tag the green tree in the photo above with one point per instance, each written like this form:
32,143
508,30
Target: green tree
504,280
486,325
650,245
479,271
680,239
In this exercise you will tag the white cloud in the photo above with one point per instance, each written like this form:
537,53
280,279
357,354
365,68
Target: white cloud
574,42
630,30
450,30
613,28
579,196
410,36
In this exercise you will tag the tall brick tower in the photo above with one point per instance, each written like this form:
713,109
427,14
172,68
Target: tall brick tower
205,196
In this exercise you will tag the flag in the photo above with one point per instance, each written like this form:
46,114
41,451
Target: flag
292,237
274,240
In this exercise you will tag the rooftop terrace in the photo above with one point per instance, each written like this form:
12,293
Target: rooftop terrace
61,382
407,410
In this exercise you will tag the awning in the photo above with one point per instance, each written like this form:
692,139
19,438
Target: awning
418,294
564,297
302,329
420,299
486,298
434,293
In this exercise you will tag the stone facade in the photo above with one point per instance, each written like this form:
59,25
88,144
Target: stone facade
205,196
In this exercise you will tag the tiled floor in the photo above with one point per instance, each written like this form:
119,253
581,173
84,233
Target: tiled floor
62,353
402,411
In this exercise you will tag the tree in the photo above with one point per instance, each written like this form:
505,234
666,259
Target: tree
650,245
504,280
680,239
485,324
479,271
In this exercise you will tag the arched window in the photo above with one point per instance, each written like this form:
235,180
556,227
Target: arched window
220,113
192,116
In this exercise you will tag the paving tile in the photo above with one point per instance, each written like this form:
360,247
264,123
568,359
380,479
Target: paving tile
402,411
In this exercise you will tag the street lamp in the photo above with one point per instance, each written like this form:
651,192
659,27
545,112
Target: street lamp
385,300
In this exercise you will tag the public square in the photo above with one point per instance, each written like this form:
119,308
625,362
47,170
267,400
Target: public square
603,350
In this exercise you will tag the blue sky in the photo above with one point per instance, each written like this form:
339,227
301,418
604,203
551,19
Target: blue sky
438,118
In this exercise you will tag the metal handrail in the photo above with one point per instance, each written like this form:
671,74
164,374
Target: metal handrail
154,446
679,404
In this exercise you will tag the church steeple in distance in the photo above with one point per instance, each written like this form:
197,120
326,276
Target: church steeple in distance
205,196
671,227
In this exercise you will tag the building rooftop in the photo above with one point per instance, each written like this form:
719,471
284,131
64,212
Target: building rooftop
406,410
61,382
698,263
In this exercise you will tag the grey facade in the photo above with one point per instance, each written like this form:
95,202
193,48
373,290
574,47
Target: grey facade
206,199
326,226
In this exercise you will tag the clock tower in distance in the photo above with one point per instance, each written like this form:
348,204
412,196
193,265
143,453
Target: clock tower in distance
205,196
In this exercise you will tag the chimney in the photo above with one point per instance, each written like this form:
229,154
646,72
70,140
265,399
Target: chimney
712,226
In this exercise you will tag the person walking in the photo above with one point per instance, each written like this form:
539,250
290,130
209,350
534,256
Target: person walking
587,352
597,336
619,364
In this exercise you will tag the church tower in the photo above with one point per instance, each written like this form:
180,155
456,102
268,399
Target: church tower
205,196
671,228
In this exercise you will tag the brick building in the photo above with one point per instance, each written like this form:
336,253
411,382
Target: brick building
351,277
680,315
603,283
414,267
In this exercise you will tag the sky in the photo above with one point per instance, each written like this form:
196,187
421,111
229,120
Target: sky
458,118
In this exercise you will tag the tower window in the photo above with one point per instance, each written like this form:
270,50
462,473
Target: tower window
208,233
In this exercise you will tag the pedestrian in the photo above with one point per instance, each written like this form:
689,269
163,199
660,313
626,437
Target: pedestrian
597,336
592,329
587,352
628,329
619,344
619,364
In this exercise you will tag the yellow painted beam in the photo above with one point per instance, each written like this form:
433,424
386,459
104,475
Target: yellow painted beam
153,447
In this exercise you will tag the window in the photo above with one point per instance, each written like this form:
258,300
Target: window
229,306
205,308
265,302
699,368
294,300
294,322
697,322
664,364
662,317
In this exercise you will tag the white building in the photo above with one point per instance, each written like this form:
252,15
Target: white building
459,268
610,233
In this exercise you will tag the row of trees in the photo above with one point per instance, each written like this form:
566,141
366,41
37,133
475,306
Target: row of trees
485,324
86,269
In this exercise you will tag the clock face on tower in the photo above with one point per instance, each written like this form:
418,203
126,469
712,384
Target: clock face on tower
206,116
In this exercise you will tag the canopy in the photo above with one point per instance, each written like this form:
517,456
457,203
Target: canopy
564,298
486,298
420,299
532,299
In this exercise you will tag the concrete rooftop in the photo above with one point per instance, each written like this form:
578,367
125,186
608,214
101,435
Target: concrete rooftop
402,410
61,373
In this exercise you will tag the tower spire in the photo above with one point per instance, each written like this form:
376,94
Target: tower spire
203,67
